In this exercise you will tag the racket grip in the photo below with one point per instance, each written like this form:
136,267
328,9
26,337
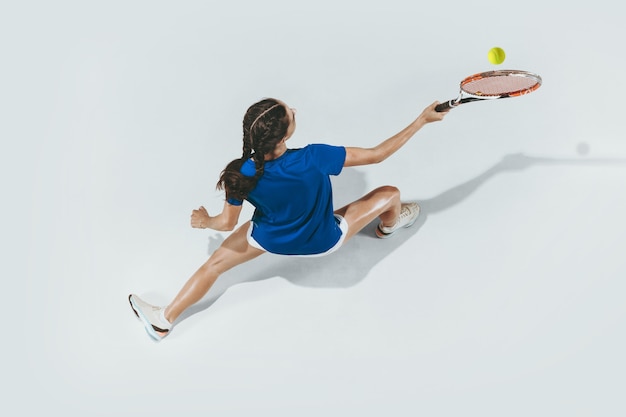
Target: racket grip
445,106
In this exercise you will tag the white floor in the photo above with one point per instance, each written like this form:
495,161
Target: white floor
505,299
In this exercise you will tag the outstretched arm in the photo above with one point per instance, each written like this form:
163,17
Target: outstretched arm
366,156
225,221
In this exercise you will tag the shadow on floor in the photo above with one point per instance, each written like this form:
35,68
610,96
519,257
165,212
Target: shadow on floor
352,263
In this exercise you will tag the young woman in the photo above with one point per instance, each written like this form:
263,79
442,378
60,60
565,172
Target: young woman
291,192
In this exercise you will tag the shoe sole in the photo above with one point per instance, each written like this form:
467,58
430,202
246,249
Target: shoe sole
152,332
382,235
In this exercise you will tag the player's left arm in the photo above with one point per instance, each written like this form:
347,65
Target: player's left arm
225,221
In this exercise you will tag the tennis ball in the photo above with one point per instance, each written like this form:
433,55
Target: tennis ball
496,55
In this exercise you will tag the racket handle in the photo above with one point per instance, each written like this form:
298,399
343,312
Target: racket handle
443,106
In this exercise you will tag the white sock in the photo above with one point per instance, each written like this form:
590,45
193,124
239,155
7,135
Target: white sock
162,317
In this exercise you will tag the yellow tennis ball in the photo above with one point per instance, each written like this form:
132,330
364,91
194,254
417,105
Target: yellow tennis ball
496,55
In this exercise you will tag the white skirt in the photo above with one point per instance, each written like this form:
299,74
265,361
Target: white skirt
343,226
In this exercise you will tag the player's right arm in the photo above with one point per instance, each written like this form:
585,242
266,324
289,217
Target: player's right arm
365,156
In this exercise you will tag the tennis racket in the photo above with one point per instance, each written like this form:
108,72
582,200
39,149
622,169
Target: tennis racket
493,85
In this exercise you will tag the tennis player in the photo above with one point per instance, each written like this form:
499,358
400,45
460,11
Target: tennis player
292,195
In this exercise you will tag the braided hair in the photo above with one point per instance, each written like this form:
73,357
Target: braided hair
265,124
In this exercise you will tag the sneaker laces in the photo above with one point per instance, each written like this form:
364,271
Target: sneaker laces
405,212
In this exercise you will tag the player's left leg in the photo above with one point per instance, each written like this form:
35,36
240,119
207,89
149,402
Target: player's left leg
234,250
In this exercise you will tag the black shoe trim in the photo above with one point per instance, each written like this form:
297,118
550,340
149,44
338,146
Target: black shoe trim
131,306
385,233
159,329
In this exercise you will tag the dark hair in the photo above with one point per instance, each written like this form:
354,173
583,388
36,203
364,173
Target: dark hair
265,124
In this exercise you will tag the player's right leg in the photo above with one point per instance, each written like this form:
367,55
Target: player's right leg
408,215
384,203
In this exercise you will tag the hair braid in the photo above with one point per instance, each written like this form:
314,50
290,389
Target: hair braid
265,124
247,146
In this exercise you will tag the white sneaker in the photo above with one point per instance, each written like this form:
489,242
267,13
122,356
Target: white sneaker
153,317
408,215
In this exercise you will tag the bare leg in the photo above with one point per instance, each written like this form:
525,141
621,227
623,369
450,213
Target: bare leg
234,250
383,202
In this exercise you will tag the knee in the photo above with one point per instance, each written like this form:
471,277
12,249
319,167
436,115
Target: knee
389,191
215,265
387,194
223,260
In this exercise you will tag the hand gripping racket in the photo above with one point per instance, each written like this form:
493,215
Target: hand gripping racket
493,85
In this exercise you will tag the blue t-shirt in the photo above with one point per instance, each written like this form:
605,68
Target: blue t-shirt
293,200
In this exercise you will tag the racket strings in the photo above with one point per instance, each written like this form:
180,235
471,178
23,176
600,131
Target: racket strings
499,85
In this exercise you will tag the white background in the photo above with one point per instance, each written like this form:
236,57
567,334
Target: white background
505,299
